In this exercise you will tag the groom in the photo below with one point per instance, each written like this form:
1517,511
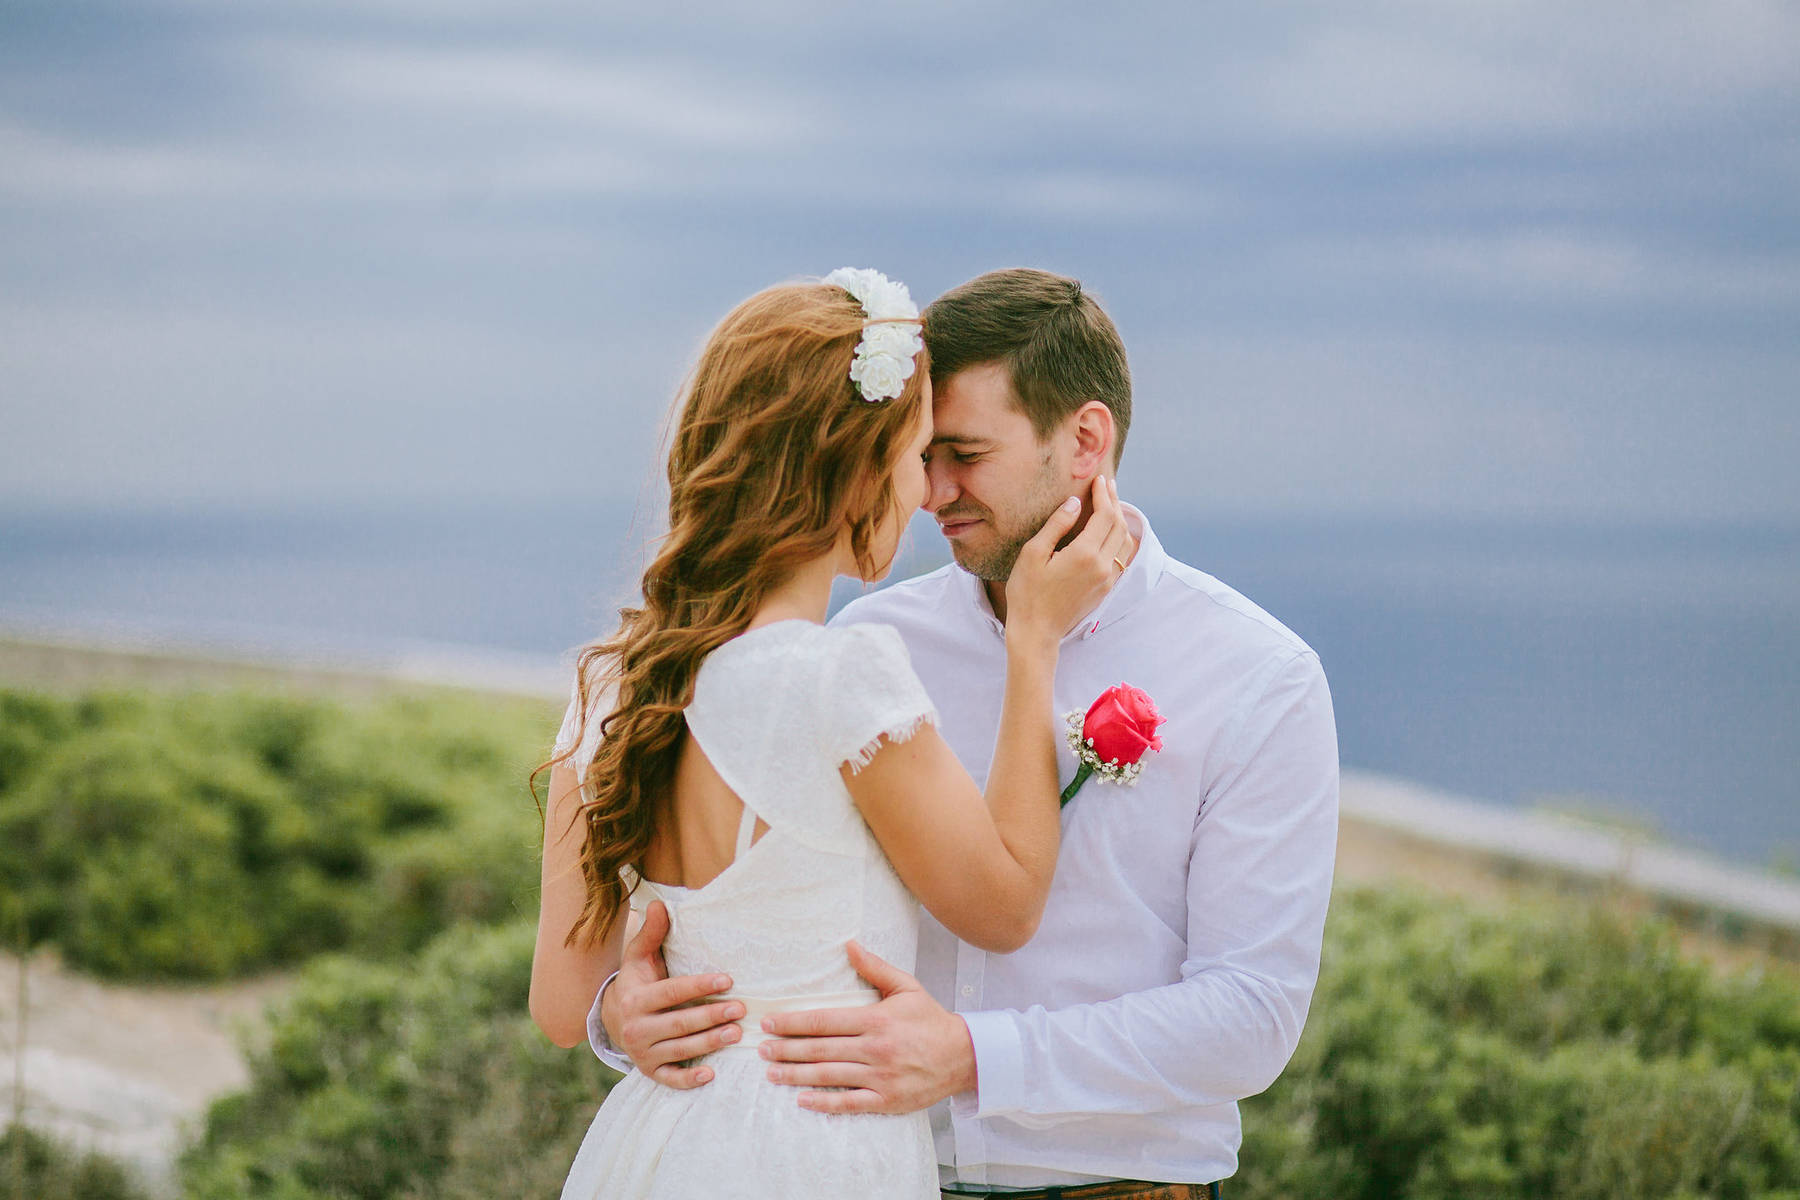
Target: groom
1172,970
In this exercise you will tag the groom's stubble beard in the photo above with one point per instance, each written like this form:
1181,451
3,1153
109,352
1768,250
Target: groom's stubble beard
1011,527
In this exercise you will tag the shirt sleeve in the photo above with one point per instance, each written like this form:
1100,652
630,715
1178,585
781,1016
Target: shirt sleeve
1259,880
870,693
598,1042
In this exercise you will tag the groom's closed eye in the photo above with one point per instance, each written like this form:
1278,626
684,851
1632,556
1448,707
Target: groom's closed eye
964,450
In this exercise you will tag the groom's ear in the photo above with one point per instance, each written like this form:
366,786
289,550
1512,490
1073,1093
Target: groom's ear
1092,427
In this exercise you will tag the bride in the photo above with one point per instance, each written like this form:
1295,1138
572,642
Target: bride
780,786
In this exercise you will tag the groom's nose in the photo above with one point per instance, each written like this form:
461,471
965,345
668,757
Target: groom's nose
940,488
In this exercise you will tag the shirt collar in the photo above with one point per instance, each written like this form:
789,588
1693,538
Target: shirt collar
1140,577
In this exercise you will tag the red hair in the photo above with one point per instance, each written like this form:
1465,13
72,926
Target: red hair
775,456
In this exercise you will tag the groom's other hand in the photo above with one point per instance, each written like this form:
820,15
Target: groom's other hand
899,1055
660,1023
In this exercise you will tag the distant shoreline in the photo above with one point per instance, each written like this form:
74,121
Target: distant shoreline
64,659
1392,830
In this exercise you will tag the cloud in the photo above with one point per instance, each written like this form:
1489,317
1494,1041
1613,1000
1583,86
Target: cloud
668,101
225,222
1420,72
1550,264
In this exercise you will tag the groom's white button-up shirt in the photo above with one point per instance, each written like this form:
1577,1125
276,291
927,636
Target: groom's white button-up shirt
1178,952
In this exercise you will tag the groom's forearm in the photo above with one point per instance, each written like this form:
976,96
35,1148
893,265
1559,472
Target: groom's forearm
1207,1042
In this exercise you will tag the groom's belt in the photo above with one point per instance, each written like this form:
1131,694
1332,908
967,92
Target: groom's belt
1114,1189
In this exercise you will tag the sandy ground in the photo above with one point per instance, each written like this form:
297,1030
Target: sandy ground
1374,855
129,1069
120,1068
57,662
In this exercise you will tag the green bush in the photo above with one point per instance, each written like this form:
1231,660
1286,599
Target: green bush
404,1081
1448,1054
205,835
42,1168
1531,1054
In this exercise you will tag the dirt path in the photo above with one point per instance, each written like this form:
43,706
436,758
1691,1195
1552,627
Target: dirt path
118,1068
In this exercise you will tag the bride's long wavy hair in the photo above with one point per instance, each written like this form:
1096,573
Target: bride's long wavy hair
775,457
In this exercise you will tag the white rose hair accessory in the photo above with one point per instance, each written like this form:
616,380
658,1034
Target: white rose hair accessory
891,337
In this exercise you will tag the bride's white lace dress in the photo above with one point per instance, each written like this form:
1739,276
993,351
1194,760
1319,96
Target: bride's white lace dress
776,710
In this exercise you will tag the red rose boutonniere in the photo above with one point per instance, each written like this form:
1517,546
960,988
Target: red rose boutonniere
1111,740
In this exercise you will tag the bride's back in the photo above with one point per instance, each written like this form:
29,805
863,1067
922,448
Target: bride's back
782,465
775,713
696,838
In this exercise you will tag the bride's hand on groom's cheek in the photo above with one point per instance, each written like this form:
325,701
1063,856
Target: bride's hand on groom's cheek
1054,584
643,1011
900,1055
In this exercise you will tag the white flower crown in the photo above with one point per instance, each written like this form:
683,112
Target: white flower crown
891,338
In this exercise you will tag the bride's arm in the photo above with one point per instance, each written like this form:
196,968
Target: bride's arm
565,978
983,869
983,865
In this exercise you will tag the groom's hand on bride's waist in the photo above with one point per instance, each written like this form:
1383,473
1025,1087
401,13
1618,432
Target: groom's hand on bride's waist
660,1023
900,1055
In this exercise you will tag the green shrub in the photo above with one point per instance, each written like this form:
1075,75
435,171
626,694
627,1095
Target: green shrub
29,723
1537,1053
422,1080
205,835
42,1168
1448,1054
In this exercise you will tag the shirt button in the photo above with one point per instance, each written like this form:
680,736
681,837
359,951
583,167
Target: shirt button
967,990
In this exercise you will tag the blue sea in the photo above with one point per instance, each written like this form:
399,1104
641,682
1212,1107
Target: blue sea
1650,674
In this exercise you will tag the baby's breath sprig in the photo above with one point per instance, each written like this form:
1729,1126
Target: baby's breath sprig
1125,774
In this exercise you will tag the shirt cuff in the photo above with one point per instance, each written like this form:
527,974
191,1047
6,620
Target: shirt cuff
602,1045
999,1066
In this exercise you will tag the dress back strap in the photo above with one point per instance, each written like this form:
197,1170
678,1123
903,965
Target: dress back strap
746,832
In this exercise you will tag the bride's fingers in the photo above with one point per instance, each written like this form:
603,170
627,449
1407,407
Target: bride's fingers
1055,526
1107,517
1118,539
1086,544
1115,514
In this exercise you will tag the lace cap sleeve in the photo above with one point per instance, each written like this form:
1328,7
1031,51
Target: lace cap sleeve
871,692
573,734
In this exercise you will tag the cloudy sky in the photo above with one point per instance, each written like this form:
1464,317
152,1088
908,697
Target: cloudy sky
1519,259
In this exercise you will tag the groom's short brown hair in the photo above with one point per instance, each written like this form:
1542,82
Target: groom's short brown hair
1059,346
